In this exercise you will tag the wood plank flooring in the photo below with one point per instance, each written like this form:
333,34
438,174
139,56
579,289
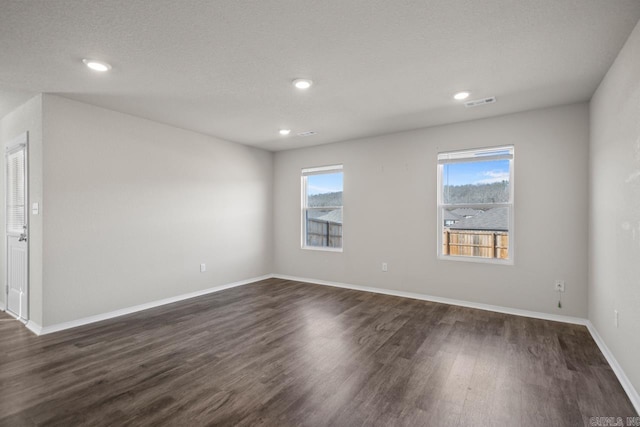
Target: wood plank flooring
279,353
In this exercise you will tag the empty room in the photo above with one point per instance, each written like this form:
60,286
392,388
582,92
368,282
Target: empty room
320,213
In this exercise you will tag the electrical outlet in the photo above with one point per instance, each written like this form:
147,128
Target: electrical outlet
384,266
559,286
203,268
616,320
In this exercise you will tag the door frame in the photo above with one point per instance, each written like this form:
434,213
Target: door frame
17,143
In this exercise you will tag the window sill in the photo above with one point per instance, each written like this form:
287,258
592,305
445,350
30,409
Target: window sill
321,248
493,261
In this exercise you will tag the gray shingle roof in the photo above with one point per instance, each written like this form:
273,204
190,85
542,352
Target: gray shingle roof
496,219
333,216
464,212
448,215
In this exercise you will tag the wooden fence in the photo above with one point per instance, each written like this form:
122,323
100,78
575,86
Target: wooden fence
324,233
483,244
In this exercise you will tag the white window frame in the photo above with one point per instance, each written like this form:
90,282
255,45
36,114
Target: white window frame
318,171
479,154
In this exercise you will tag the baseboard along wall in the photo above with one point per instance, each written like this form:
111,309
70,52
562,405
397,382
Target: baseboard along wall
633,394
42,330
450,301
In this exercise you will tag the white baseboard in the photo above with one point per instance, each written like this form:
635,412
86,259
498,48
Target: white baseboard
34,327
622,377
42,330
424,297
615,366
2,307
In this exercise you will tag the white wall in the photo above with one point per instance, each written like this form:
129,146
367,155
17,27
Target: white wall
26,118
390,212
132,207
614,256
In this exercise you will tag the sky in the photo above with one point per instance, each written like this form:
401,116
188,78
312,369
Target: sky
324,183
454,174
475,172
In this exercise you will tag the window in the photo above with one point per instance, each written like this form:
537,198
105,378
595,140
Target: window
322,208
475,205
16,190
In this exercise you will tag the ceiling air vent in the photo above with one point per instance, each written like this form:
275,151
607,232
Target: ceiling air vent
478,102
307,133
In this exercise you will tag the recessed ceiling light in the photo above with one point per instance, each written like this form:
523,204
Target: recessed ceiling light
462,95
96,65
302,83
285,131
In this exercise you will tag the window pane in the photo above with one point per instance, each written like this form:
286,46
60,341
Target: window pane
324,190
476,203
324,227
15,199
476,232
476,182
322,213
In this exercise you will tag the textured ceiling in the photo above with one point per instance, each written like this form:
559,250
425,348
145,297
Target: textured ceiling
224,67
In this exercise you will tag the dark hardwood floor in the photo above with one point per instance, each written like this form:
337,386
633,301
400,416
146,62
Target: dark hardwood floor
284,353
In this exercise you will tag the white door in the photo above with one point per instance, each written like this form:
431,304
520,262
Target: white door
17,280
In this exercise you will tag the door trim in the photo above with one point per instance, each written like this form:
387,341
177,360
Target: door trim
15,144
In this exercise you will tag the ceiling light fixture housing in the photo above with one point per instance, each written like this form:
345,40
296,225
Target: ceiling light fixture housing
302,83
461,95
307,133
96,65
478,102
285,131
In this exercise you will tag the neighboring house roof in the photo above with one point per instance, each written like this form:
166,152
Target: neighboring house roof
465,212
450,216
496,219
333,216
